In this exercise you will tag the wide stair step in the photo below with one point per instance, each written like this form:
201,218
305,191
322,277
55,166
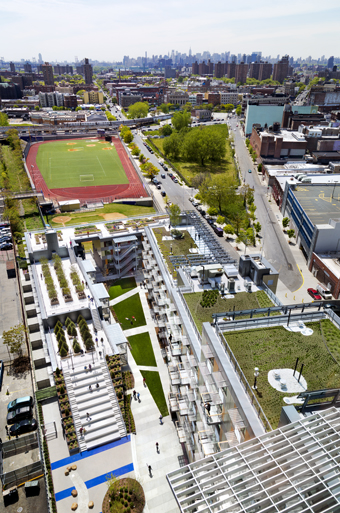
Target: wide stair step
96,320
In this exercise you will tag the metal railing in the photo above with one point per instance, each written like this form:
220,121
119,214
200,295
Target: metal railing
197,333
265,322
16,477
244,382
271,294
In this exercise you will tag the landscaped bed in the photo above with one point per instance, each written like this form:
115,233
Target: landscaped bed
277,348
154,384
122,381
65,411
121,287
126,310
123,496
241,301
141,349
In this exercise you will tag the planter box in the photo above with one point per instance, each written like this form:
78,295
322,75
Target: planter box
68,299
54,302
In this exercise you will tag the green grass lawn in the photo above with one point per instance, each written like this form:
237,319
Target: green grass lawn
89,163
122,287
141,349
128,308
191,169
277,348
98,215
32,217
241,301
154,384
179,246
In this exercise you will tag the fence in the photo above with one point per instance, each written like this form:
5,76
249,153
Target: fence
197,333
243,380
19,445
265,322
271,294
19,476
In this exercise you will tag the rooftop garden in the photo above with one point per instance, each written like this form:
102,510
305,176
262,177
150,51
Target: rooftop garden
141,349
154,384
121,287
202,308
173,247
277,348
129,313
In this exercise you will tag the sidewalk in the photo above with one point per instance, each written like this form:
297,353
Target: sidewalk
158,495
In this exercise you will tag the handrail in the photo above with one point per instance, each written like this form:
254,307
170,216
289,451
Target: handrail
198,335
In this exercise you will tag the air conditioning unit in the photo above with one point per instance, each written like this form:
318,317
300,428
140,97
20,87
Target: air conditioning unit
231,285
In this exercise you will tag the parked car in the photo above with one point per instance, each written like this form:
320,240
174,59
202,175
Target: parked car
5,246
165,168
163,175
24,426
18,414
163,193
211,222
159,186
315,294
175,180
27,400
249,170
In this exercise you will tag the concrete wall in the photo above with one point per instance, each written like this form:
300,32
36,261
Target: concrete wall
327,238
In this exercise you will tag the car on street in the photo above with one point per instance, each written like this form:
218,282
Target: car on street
211,222
19,414
163,193
163,175
165,167
159,186
5,246
249,170
24,426
314,294
175,180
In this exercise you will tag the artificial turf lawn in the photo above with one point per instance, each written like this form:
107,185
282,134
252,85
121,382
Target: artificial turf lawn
128,308
90,165
141,349
241,301
154,384
122,287
277,348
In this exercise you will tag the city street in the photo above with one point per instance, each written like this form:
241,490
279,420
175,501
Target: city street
275,247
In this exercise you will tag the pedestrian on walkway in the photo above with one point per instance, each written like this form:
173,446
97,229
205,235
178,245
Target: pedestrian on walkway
84,431
90,387
90,367
144,383
134,394
81,431
170,337
138,396
157,448
6,427
97,385
96,341
149,469
161,419
88,416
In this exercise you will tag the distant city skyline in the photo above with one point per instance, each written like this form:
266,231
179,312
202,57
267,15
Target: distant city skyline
60,29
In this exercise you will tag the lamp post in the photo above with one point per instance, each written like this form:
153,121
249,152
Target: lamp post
256,375
32,168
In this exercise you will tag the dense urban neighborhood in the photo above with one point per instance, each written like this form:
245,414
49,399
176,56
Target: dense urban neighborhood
170,277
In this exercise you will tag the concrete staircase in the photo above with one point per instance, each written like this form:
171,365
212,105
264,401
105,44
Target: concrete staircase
105,422
96,319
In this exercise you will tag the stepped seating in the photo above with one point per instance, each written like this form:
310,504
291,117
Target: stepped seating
106,424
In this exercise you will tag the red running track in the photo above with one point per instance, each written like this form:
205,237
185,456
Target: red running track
134,189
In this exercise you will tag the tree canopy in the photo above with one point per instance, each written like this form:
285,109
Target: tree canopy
14,339
174,212
3,119
172,145
138,110
149,170
181,119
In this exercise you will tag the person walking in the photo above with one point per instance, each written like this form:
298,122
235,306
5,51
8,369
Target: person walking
144,383
88,416
149,469
138,396
81,431
161,419
6,427
90,387
90,367
134,394
157,447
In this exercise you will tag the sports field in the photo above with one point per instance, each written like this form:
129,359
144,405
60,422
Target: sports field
80,163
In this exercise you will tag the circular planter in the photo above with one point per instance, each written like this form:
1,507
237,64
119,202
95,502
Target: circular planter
137,500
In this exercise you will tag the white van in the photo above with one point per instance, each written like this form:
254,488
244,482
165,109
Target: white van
323,290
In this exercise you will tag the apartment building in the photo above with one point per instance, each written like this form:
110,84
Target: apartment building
281,69
48,74
51,99
265,70
126,98
88,72
93,97
229,98
221,69
177,97
231,69
241,72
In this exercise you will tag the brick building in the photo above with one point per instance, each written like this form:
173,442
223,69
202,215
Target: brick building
194,68
88,72
231,69
221,69
241,73
213,98
281,69
70,101
277,143
254,70
265,70
48,74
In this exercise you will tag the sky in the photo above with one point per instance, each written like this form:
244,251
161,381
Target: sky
107,30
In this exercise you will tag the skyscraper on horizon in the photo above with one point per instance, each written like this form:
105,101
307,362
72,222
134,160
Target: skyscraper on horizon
48,73
88,72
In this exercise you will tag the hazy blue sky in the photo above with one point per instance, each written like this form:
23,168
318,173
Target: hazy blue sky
108,29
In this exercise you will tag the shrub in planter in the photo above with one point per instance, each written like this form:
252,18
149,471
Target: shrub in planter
63,351
57,372
76,347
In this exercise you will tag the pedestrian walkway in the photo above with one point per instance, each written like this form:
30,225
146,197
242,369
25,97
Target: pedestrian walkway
124,296
148,428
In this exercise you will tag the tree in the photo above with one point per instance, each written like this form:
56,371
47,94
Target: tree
3,119
257,227
181,119
138,110
259,167
285,222
37,107
212,211
291,233
127,136
220,220
135,152
239,110
202,144
246,236
175,212
78,108
228,229
166,130
229,107
14,338
149,170
219,192
172,145
164,108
